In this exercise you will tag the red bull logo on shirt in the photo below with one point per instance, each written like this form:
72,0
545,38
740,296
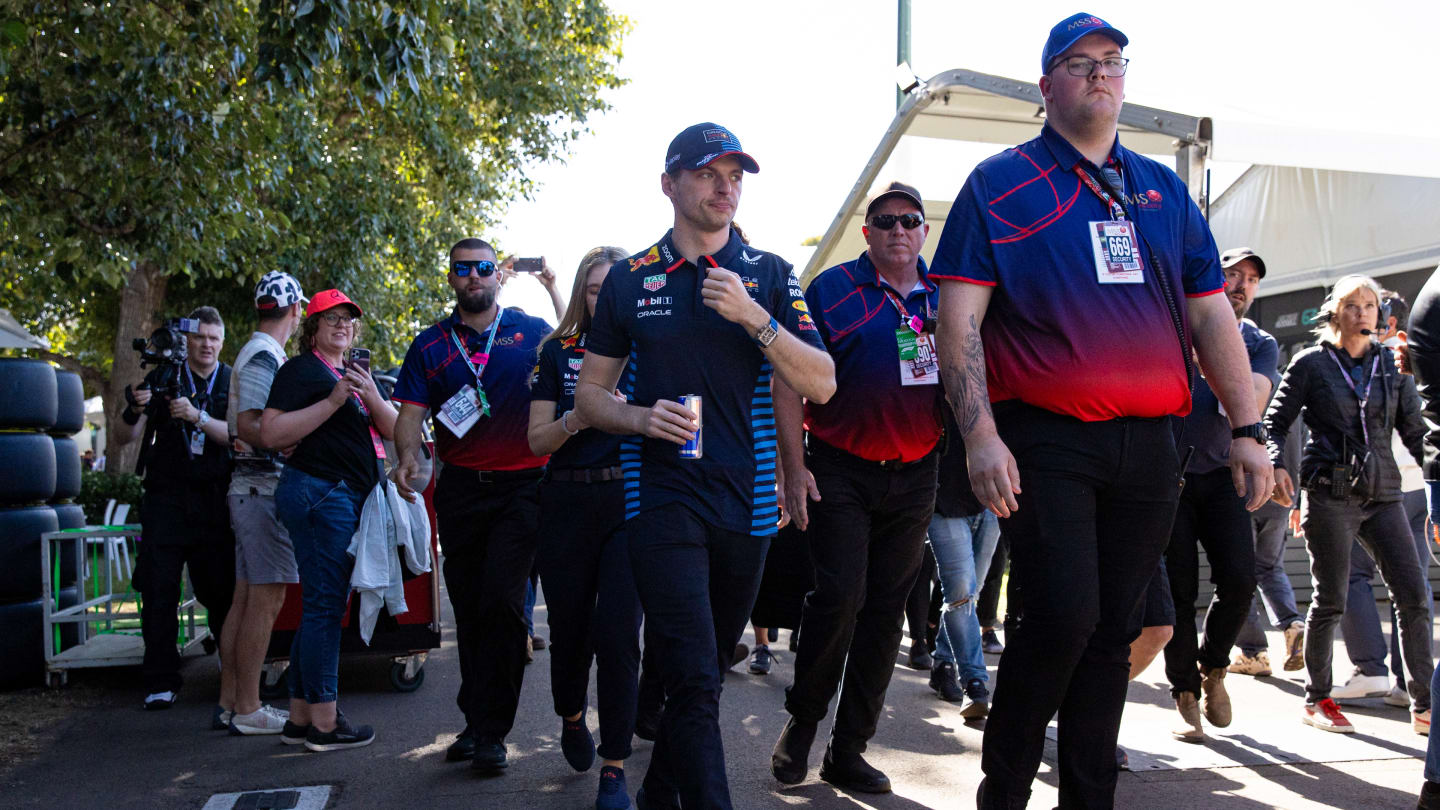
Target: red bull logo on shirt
651,257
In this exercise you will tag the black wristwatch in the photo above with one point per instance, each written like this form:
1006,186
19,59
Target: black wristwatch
1256,431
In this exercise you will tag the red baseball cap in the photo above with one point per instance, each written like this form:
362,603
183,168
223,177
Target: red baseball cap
329,299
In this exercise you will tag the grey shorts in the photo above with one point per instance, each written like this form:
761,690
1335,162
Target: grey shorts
263,554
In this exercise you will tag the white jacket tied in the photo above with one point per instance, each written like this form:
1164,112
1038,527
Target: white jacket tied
388,523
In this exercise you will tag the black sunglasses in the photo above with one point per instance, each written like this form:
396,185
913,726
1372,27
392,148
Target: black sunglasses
483,268
887,221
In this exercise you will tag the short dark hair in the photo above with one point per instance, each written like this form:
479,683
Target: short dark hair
207,314
470,243
1399,310
275,313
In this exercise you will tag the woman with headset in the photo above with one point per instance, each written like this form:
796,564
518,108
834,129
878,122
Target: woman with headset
1347,391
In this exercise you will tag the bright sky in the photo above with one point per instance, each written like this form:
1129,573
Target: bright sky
808,87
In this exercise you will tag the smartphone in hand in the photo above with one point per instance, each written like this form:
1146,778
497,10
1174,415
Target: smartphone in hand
360,358
529,265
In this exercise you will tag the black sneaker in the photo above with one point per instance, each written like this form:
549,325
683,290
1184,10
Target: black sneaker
760,662
463,749
852,772
343,736
294,734
490,758
990,643
942,680
977,700
789,762
577,744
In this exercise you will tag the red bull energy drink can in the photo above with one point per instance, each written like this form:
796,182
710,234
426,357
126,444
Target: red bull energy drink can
694,448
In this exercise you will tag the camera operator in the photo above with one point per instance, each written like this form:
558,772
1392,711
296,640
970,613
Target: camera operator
1346,390
186,463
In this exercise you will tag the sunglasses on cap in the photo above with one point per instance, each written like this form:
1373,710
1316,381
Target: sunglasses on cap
484,268
885,222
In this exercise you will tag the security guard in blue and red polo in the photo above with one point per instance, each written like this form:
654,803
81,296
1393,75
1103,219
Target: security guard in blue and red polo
869,464
471,372
698,313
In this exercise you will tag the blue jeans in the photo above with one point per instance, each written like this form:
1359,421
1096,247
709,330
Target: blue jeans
1275,595
963,547
530,605
1432,747
1360,626
322,517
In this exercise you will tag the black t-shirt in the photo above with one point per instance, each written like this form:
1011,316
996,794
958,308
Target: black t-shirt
340,448
169,461
554,381
954,497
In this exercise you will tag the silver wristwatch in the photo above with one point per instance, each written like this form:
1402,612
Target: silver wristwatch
767,334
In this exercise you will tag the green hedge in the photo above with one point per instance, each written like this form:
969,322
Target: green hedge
97,488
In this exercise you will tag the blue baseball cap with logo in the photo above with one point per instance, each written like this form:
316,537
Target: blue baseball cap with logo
698,146
1070,30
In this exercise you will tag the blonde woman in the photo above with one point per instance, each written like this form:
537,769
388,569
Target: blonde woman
1350,396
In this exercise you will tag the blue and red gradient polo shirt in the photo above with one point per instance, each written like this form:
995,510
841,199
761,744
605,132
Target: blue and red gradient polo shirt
434,371
871,414
651,311
1054,336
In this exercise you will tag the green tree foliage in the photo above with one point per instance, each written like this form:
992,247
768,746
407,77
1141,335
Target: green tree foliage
158,155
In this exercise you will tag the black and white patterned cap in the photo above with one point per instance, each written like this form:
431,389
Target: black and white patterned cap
278,289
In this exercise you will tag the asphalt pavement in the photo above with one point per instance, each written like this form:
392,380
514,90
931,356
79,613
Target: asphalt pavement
115,755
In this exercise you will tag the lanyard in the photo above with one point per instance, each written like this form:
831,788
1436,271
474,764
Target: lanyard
375,440
210,386
1364,399
1117,211
915,322
478,368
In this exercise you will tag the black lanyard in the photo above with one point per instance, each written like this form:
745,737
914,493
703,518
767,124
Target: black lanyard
1117,211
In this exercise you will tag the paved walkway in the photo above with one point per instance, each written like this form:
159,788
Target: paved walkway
117,756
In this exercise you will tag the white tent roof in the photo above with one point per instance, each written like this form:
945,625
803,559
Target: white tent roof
14,336
1313,226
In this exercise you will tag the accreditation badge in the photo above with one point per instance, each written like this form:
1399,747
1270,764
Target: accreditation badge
1117,252
918,362
460,413
197,442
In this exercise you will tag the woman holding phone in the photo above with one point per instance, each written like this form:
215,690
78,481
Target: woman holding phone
1348,393
330,411
584,565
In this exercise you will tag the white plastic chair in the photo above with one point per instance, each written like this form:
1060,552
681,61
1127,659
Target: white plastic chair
117,549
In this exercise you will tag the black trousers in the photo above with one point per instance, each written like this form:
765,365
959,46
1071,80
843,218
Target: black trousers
989,602
867,539
183,527
1095,512
1212,515
488,534
593,609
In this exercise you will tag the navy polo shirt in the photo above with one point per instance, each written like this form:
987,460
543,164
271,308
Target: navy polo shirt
554,381
1054,336
434,371
650,311
871,415
1206,428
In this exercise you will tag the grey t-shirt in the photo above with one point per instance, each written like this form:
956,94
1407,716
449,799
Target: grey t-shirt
256,471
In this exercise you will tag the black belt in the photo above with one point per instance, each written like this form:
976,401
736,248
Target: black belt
593,475
815,447
496,476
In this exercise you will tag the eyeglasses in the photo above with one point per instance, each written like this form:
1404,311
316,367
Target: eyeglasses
885,222
1112,66
482,268
336,319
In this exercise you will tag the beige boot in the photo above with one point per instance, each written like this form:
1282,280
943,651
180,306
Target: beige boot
1217,700
1189,730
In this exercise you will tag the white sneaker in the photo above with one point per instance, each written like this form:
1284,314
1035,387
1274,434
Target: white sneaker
1398,697
160,700
264,720
1362,686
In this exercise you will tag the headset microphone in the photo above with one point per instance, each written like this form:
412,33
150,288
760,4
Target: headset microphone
1366,332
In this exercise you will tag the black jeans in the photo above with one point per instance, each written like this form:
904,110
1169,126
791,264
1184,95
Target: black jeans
1095,512
592,606
867,538
697,584
182,529
488,534
989,601
1211,514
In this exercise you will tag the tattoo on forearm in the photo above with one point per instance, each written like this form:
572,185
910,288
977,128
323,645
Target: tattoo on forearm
965,380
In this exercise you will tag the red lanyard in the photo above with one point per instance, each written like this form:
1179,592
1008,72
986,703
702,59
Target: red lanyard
1117,211
375,440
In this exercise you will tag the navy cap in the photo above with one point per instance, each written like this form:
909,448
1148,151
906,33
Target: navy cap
699,146
1069,31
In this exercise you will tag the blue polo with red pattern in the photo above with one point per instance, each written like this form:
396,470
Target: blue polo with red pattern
871,414
434,371
1054,336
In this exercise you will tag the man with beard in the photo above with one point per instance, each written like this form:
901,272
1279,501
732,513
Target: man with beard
471,372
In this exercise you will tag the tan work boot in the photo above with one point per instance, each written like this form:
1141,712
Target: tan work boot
1217,700
1189,730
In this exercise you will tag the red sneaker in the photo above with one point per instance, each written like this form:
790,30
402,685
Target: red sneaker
1326,716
